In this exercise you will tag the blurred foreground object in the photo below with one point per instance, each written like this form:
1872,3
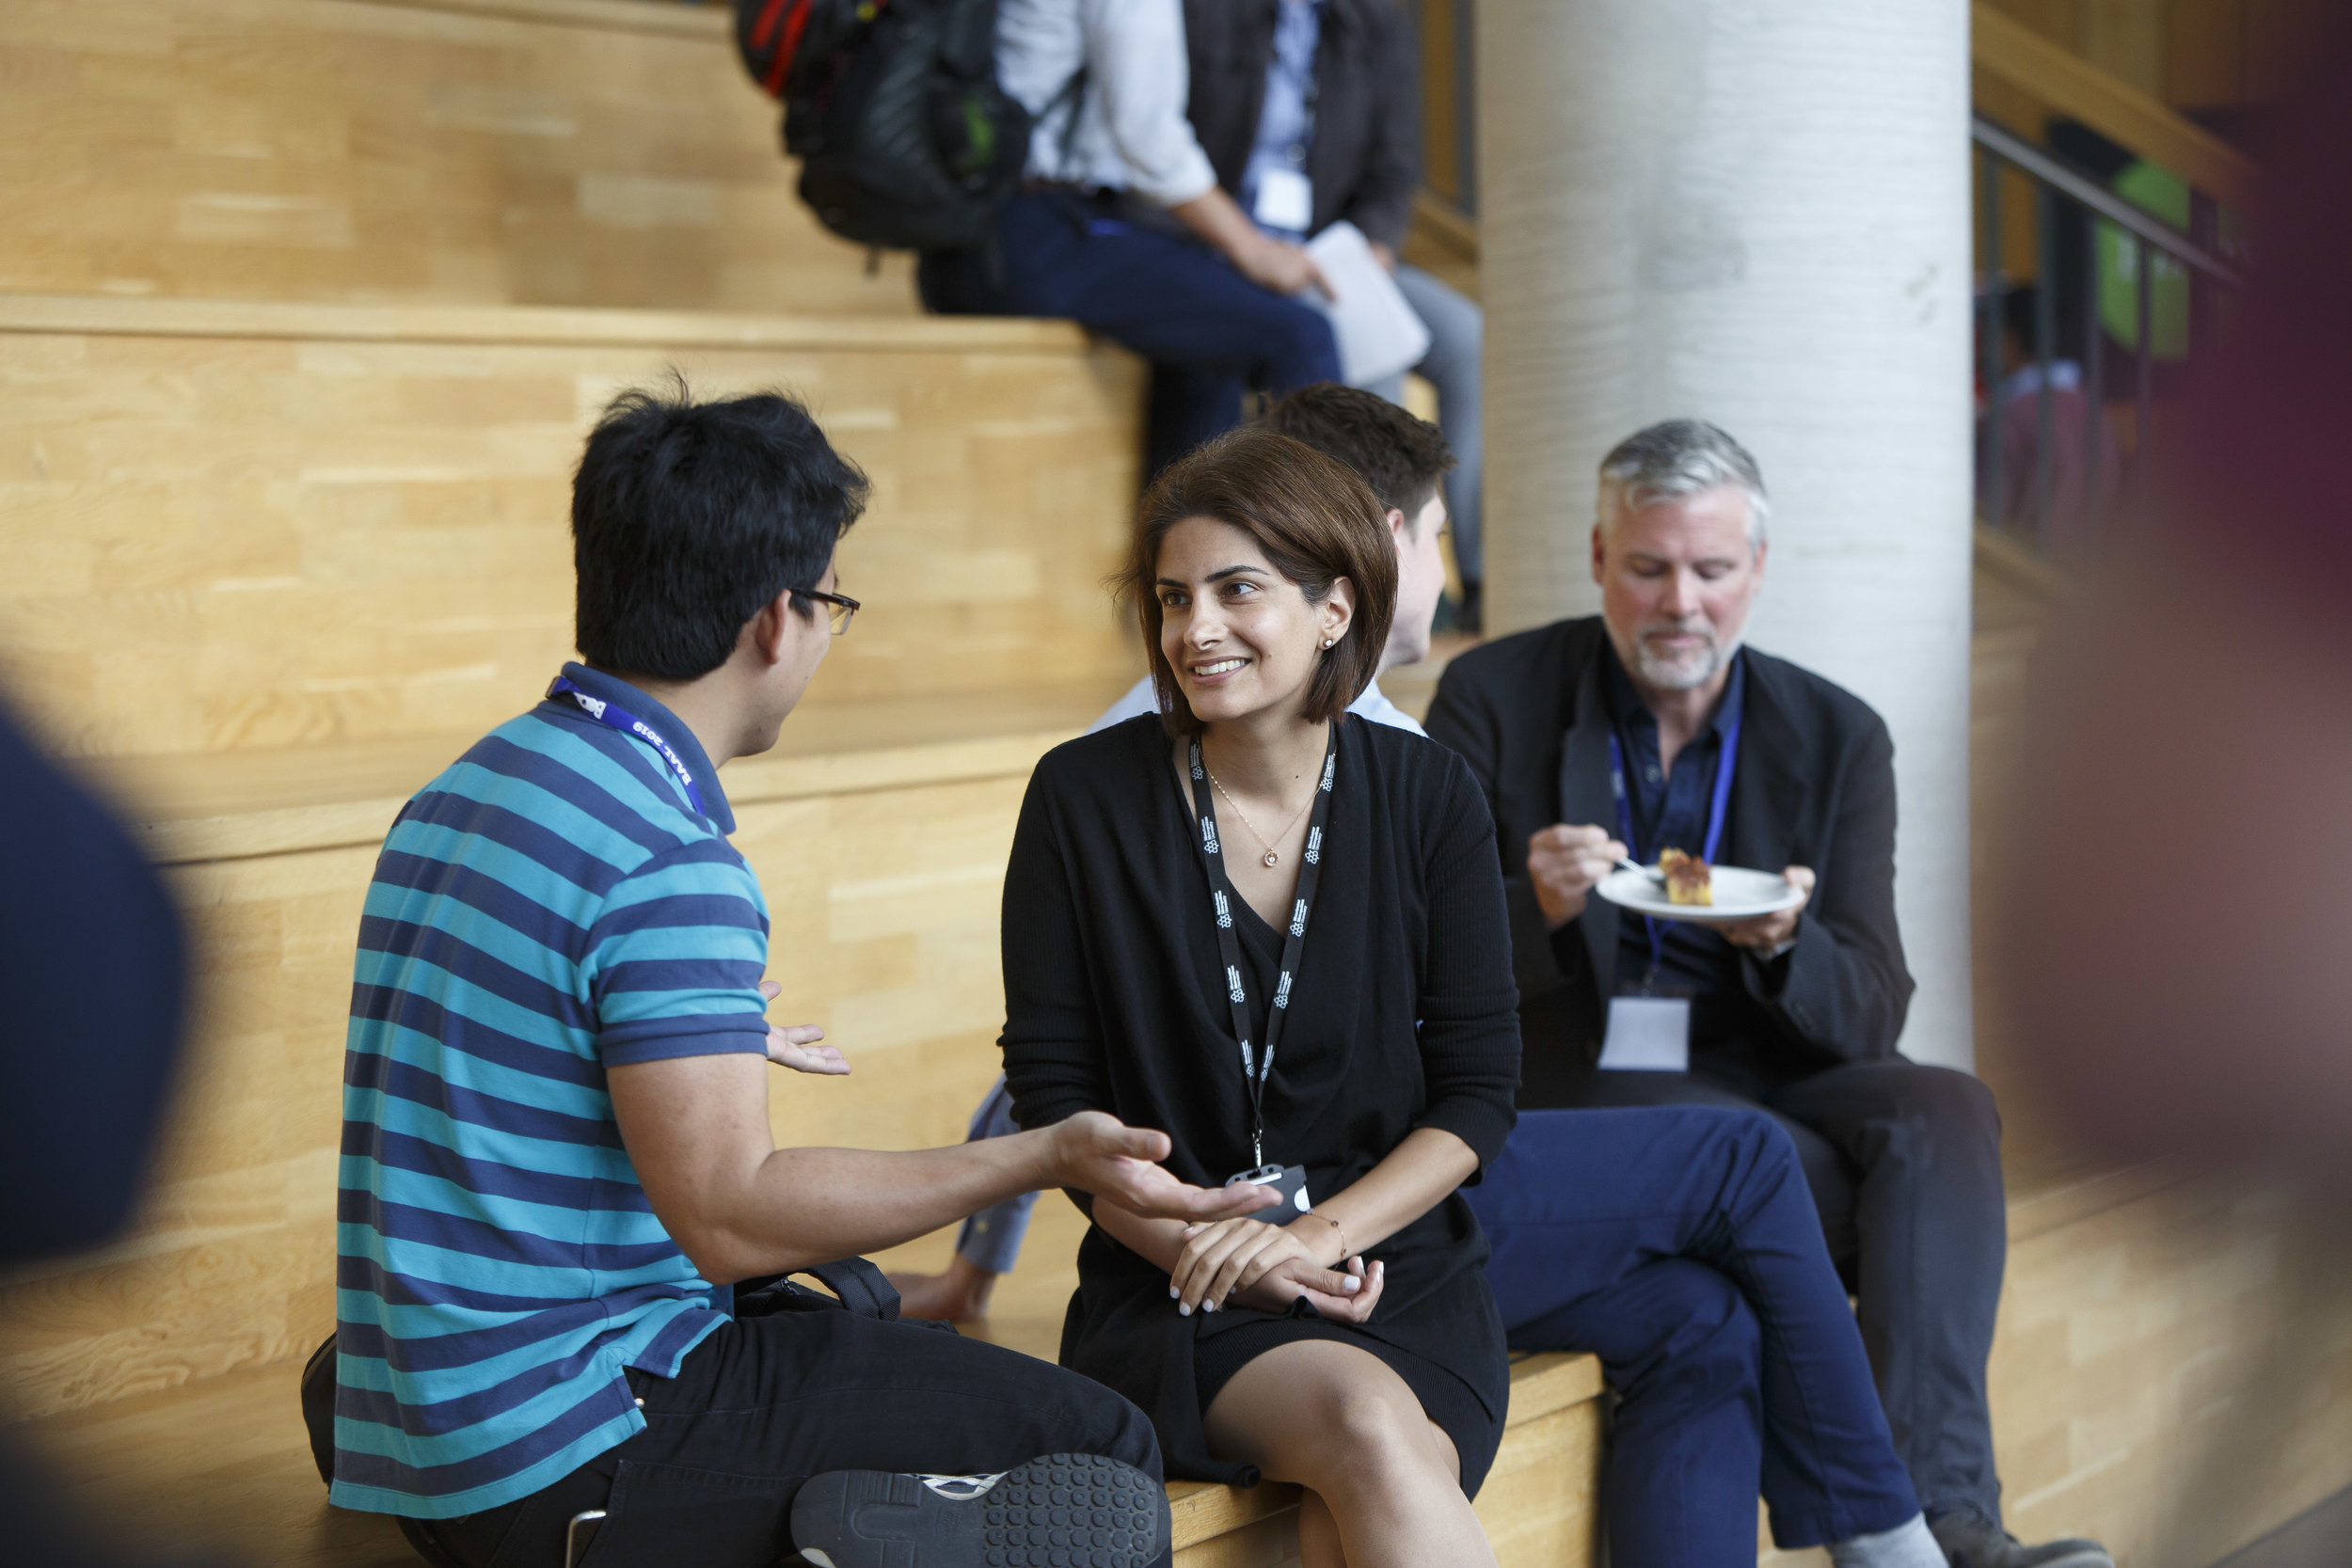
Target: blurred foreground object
2180,926
2179,929
92,970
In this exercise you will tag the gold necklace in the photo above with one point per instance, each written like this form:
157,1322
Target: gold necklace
1273,857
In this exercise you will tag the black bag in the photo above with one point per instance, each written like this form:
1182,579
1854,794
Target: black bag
858,1288
906,142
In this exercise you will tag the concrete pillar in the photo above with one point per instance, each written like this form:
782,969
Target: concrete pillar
1754,212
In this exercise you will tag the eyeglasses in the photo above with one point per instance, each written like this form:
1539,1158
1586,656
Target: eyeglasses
840,608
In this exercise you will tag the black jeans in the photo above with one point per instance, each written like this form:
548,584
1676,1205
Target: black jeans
765,1403
1905,1166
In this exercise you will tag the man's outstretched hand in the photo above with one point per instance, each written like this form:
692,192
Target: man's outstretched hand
1095,1152
794,1045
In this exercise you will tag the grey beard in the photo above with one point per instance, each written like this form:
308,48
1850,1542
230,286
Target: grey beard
1683,676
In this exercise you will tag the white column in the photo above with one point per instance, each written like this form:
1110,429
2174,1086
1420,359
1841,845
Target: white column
1754,212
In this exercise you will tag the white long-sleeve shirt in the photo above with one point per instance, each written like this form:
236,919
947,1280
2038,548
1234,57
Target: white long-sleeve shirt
1131,134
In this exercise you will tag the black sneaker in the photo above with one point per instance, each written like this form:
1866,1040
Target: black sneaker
1063,1511
1972,1541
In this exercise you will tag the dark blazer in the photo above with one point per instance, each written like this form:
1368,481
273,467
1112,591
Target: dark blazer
1365,156
1815,787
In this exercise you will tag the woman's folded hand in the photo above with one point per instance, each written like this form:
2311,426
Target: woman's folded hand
1267,1267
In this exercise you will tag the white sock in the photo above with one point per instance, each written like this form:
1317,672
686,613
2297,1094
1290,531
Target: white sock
1907,1546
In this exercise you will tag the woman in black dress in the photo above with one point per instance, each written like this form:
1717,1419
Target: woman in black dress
1278,933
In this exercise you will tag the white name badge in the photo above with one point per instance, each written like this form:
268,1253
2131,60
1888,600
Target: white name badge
1286,200
1648,1034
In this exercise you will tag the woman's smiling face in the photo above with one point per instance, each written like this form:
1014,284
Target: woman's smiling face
1241,637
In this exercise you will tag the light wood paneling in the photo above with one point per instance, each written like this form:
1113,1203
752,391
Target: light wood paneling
255,530
562,151
2127,1372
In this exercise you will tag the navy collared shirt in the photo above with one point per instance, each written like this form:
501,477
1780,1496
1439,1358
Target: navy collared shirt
1670,812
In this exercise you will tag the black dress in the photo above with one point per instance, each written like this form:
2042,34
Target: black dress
1402,1016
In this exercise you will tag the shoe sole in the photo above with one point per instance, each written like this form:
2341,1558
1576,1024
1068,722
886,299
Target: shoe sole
1063,1511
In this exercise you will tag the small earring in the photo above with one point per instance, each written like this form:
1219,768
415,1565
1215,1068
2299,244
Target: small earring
1328,640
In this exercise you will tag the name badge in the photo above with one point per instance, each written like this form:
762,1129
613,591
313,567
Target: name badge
1648,1034
1289,1181
1286,200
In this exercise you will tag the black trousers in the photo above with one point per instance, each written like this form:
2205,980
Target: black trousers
765,1403
1905,1166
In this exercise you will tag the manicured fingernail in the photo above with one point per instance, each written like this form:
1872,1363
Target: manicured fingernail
1351,1283
1183,1311
1173,1294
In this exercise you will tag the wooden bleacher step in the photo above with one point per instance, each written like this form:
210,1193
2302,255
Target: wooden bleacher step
350,523
600,153
227,1463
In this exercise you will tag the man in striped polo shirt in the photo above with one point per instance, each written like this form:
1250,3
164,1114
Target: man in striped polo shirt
556,1155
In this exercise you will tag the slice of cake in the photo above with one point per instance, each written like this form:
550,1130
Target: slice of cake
1687,878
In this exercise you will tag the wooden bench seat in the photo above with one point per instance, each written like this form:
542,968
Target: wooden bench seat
228,1464
2134,1298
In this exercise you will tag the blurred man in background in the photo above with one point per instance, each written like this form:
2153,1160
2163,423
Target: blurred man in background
1122,227
1309,111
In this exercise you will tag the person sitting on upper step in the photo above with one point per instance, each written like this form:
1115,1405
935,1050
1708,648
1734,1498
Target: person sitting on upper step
556,1150
1680,1243
1649,727
1122,227
1308,111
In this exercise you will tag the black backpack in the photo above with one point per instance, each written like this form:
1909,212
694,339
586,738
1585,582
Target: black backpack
906,142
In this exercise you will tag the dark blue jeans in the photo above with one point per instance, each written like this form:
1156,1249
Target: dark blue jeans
1209,332
1905,1164
1680,1247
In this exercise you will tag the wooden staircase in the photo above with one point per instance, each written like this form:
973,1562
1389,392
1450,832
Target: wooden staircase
305,306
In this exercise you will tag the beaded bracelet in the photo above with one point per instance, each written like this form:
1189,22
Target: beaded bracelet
1335,1224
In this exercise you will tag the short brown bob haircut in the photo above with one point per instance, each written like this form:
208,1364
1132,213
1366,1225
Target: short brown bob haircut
1316,520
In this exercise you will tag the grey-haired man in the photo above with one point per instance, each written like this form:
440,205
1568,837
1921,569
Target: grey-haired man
1650,727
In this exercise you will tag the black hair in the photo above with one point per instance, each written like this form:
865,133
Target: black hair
1401,456
688,518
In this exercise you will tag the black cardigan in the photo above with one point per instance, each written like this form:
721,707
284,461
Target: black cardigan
1403,1017
1815,786
1364,157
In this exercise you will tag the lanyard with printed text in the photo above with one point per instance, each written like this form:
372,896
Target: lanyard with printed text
1717,810
1257,1066
619,717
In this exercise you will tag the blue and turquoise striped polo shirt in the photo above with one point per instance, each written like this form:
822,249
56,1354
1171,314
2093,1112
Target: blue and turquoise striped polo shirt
548,908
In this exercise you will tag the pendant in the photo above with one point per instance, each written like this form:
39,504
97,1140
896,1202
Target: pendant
1273,859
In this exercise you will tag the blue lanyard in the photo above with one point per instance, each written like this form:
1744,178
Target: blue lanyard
616,717
1717,811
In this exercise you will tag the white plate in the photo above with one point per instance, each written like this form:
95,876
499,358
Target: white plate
1740,895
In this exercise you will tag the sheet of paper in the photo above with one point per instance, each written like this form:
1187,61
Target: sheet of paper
1648,1034
1378,333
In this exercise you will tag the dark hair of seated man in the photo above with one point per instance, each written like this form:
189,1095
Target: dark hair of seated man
1402,456
688,516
